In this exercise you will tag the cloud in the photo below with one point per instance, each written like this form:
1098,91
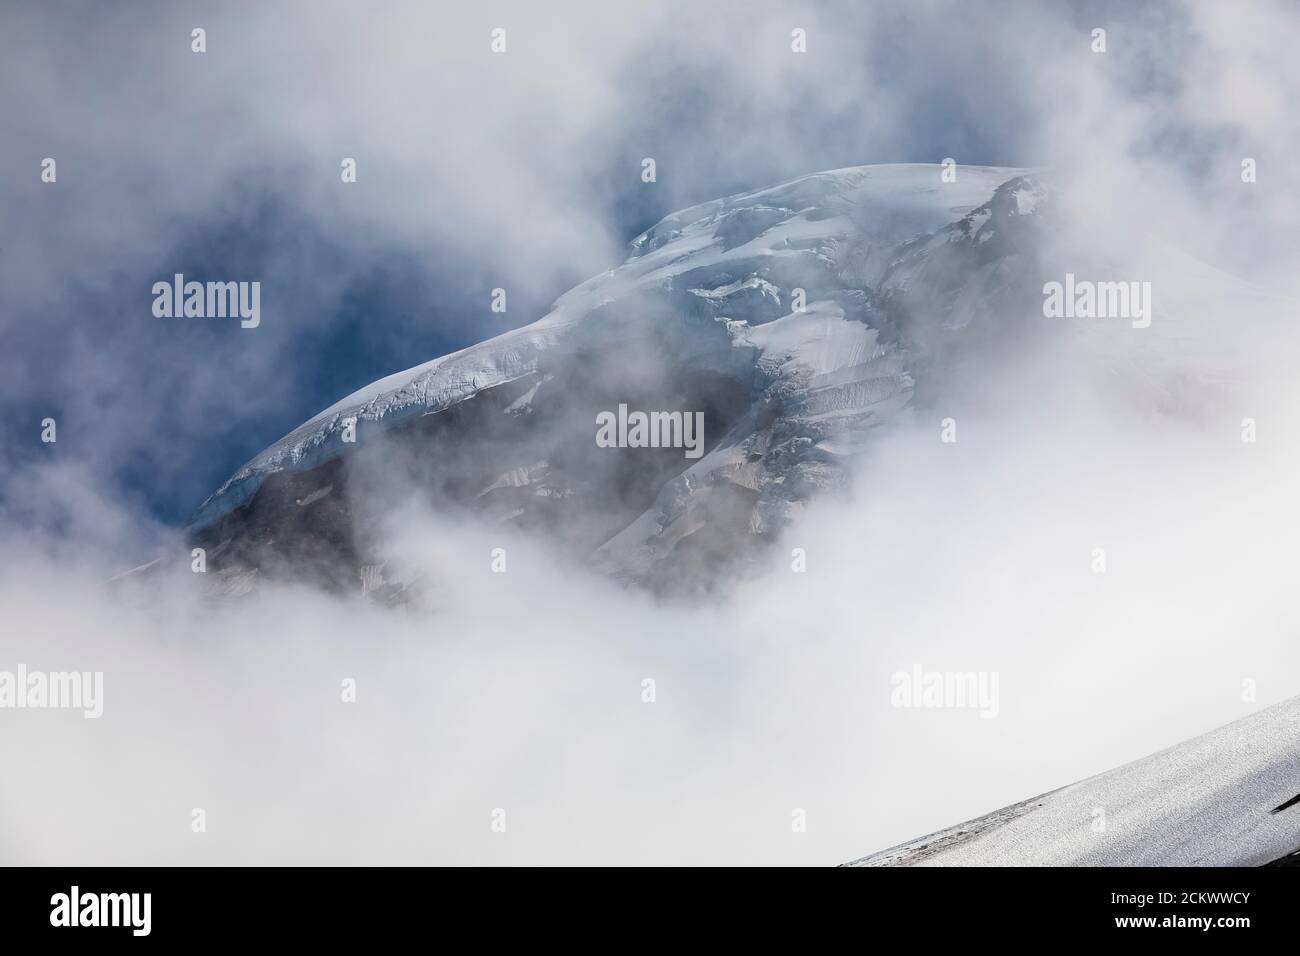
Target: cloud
521,171
523,691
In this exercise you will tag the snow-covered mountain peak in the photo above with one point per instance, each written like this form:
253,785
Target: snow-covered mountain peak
792,314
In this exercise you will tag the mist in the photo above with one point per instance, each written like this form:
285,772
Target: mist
525,691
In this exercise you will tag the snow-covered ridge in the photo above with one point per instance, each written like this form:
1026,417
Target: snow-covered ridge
712,251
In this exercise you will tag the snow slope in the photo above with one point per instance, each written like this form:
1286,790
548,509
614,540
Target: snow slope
1211,801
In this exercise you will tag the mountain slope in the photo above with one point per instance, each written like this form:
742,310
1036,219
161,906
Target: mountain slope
1222,799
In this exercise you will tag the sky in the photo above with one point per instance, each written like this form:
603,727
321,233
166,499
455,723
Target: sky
521,170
